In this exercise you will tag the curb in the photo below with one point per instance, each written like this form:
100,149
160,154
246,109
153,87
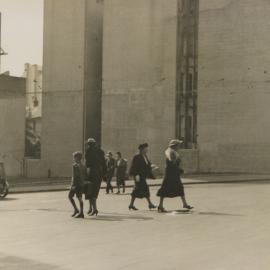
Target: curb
46,189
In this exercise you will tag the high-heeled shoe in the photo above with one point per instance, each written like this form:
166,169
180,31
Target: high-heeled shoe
152,206
132,207
161,210
95,212
81,215
89,212
188,207
75,213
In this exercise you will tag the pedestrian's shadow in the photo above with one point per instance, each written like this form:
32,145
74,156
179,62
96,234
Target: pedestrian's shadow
119,217
179,212
218,214
186,211
8,199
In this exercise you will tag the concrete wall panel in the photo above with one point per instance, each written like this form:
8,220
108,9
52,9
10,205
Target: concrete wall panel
139,67
234,70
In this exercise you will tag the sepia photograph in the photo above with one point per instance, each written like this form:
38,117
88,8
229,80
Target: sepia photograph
134,134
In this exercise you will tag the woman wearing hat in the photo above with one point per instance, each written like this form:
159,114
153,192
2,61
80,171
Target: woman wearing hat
140,170
96,169
172,186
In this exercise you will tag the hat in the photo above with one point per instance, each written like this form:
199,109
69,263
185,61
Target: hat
142,146
175,142
91,141
78,155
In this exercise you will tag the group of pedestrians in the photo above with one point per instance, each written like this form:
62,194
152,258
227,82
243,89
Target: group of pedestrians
117,167
86,179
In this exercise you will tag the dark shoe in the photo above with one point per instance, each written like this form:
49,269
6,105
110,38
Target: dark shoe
152,206
118,192
161,210
95,212
89,212
81,215
75,213
188,207
132,208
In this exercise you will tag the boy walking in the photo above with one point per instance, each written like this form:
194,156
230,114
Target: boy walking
77,184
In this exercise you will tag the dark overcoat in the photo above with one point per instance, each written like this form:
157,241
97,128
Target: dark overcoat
121,171
141,166
95,161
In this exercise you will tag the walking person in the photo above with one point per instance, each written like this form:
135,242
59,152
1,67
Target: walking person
140,170
110,163
96,169
121,172
77,184
172,186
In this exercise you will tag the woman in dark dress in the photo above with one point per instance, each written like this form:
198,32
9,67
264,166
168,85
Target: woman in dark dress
172,186
96,169
140,170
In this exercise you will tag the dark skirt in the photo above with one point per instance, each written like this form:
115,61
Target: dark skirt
171,186
93,186
141,189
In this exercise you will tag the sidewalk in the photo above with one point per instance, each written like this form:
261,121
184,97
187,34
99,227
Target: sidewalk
60,184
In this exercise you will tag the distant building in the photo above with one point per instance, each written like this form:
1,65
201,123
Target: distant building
197,70
33,76
12,123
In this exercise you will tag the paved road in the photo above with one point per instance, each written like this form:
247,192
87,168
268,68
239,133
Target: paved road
228,230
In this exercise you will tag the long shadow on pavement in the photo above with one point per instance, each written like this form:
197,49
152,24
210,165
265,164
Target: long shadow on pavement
119,217
219,214
181,212
8,199
17,263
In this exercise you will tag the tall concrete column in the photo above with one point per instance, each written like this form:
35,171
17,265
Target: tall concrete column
71,81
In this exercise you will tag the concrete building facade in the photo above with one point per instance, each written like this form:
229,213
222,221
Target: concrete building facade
191,69
33,77
233,89
71,83
143,59
12,124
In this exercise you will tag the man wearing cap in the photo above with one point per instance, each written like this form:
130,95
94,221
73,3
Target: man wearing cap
140,170
172,186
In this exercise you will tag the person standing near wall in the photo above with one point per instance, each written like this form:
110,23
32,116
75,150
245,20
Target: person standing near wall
172,186
110,163
140,170
96,169
121,172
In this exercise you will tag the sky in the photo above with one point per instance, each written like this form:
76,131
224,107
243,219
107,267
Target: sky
22,34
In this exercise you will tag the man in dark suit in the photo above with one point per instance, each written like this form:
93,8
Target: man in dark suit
121,172
110,162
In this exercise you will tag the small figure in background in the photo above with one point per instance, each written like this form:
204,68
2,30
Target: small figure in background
77,184
172,186
4,186
110,163
121,172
